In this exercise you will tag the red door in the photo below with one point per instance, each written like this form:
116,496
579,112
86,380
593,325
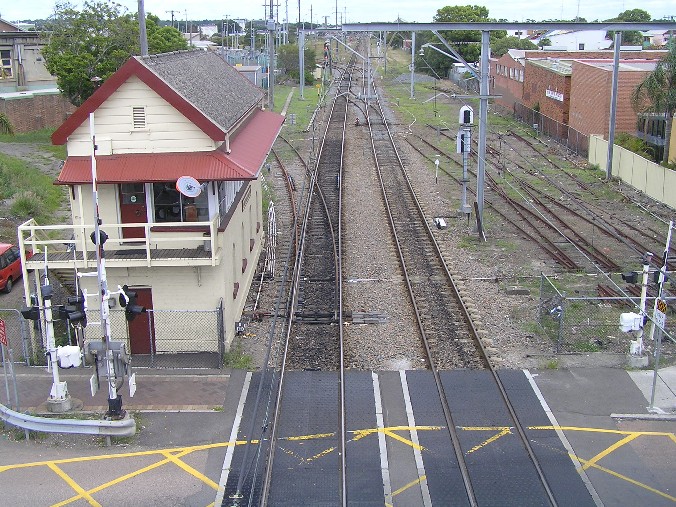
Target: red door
142,328
133,209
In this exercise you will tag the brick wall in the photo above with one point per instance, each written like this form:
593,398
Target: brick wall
537,81
35,112
590,99
511,90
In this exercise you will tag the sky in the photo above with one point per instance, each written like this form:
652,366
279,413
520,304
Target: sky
356,11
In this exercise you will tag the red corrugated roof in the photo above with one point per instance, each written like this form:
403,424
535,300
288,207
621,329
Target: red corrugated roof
248,150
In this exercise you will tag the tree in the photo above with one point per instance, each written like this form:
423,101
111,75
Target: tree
502,46
657,93
466,42
631,37
287,59
545,41
95,42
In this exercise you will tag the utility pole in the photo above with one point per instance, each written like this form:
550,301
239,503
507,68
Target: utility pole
143,36
271,57
412,65
172,17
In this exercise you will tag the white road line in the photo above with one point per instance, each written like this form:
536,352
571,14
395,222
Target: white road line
233,438
384,464
563,438
427,501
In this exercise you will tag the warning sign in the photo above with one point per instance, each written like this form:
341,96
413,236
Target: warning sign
3,333
660,316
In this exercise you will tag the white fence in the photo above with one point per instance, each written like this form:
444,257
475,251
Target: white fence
650,178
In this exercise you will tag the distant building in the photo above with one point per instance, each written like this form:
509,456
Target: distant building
253,73
29,96
575,40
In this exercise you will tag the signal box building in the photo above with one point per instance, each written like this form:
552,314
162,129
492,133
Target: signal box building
190,258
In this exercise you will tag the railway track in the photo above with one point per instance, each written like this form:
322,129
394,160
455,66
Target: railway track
314,338
449,337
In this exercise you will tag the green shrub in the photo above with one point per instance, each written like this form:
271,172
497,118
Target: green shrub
634,144
6,125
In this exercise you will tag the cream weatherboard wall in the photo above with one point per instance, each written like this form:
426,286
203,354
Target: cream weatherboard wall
166,129
186,288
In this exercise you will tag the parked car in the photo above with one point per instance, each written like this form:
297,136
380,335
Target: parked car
10,265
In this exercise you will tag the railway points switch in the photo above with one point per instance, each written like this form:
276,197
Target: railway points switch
440,223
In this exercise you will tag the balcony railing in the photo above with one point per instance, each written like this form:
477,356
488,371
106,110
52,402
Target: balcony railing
166,244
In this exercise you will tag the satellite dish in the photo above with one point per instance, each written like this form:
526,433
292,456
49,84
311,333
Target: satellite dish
188,186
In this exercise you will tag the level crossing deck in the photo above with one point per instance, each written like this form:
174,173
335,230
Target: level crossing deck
398,450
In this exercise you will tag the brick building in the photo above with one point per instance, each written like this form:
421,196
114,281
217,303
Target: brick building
508,74
29,96
506,77
591,90
547,87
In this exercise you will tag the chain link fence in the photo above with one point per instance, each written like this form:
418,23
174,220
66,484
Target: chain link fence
572,139
587,323
156,339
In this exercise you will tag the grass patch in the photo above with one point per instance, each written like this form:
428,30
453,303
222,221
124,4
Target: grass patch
43,136
552,364
236,358
32,191
531,327
468,242
583,346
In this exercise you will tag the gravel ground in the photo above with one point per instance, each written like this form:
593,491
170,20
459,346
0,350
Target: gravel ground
487,271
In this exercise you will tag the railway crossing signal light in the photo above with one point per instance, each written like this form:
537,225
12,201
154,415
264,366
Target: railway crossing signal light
76,310
630,277
656,277
131,308
30,312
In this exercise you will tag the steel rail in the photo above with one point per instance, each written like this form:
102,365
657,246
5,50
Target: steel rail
440,389
541,240
314,184
450,424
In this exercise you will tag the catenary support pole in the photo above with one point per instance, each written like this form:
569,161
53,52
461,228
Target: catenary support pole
412,65
301,61
483,122
613,106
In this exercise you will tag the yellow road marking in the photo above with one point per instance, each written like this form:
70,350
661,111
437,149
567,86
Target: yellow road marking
405,487
310,437
122,478
311,458
502,433
609,450
401,439
74,485
629,480
191,470
173,454
603,430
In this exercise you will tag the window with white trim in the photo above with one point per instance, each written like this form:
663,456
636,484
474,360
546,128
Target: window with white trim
5,64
